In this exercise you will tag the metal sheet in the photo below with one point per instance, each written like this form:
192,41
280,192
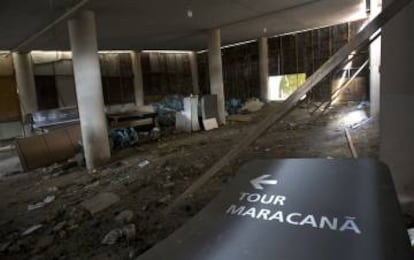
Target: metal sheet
296,209
55,117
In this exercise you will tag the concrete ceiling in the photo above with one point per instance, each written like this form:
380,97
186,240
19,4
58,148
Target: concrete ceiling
163,24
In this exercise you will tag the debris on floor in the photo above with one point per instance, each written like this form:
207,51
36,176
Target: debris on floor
143,163
31,229
128,232
41,204
100,202
128,198
125,216
234,106
167,108
252,105
112,237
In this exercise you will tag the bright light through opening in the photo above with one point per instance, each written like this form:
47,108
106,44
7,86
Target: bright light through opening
281,87
354,117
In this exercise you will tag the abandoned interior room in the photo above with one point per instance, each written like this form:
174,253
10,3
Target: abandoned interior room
207,130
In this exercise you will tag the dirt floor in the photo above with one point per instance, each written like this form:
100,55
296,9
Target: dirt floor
69,231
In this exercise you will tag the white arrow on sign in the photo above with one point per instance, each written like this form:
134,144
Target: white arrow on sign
259,181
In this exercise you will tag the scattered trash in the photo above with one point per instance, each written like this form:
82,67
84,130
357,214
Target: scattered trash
50,169
129,137
167,108
125,216
41,204
121,180
4,246
31,229
234,106
155,133
73,227
129,232
79,158
100,202
364,104
112,237
59,226
169,185
124,137
253,105
267,150
143,164
52,189
165,199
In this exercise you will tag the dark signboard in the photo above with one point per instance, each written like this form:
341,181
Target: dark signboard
296,209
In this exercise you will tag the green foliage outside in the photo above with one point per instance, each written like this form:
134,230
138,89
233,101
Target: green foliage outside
290,83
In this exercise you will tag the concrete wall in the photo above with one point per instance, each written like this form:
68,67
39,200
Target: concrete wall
397,100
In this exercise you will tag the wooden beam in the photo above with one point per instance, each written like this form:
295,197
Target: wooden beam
351,144
341,88
276,115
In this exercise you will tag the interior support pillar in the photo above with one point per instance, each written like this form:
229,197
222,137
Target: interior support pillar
397,100
375,64
82,32
194,73
264,68
215,66
138,81
23,67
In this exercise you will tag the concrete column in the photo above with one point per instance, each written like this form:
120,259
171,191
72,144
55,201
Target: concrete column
397,100
82,32
375,64
138,82
194,72
264,68
23,66
216,72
